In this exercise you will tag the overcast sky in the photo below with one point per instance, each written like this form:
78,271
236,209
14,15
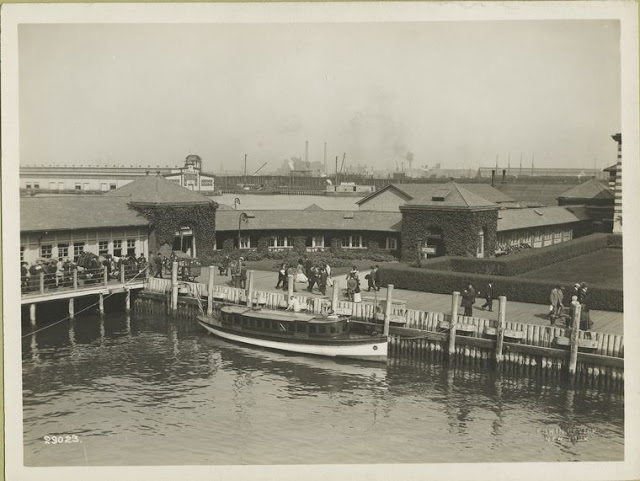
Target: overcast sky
455,93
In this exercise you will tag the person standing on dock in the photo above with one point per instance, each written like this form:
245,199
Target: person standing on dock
585,317
243,274
282,276
376,277
488,297
322,280
157,262
556,298
468,299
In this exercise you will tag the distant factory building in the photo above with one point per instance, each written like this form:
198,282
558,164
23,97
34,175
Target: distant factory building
67,179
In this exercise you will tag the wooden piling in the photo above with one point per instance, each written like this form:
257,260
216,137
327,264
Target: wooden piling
455,301
75,279
105,276
250,289
41,282
32,314
122,276
101,303
210,291
174,286
71,308
290,287
575,327
127,300
502,315
387,309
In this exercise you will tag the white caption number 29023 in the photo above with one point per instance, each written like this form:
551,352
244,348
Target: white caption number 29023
66,439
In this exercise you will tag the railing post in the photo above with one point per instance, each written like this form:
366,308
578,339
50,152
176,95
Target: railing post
127,300
71,307
41,282
334,295
387,309
75,278
575,328
122,274
105,275
502,313
455,301
101,303
250,289
32,314
174,286
210,291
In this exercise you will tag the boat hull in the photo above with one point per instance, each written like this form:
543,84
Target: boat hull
366,350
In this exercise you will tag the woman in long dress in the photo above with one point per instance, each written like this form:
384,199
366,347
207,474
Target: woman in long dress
300,276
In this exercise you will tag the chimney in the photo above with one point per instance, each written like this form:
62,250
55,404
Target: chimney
493,177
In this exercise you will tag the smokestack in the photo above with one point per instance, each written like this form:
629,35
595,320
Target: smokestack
504,176
493,177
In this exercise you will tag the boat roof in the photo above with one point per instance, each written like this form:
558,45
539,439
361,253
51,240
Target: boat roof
278,315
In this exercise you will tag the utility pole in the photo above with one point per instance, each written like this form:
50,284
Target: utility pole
325,158
245,170
336,170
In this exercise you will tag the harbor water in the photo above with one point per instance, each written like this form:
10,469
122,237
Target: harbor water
142,390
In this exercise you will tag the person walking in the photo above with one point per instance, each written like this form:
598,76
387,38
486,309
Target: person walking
488,297
376,277
243,274
468,299
282,276
157,262
322,281
371,279
555,307
312,277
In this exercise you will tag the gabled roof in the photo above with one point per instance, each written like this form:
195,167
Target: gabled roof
448,196
592,189
531,194
414,191
510,219
313,207
155,189
54,213
311,220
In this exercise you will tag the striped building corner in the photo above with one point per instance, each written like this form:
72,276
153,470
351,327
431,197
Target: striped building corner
617,212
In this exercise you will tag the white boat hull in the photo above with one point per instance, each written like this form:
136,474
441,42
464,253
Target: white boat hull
371,351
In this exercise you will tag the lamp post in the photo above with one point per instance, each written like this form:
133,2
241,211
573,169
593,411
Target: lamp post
243,217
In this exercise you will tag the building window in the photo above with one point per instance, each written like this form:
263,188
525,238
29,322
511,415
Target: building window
46,251
206,183
548,239
537,241
566,235
78,186
28,186
352,242
22,248
78,248
63,251
112,186
392,244
104,186
480,244
245,242
131,247
317,241
36,185
53,186
85,186
60,185
103,247
280,242
117,248
557,237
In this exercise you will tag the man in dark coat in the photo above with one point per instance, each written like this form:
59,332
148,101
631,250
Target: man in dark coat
468,299
157,262
376,277
488,297
322,281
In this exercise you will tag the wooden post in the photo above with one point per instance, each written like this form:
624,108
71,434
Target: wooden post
174,286
127,300
71,308
455,301
387,310
335,293
41,282
32,314
419,253
122,276
105,275
575,328
101,303
210,291
250,289
502,314
75,279
289,287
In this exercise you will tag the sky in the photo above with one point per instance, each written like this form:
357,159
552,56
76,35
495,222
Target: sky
455,93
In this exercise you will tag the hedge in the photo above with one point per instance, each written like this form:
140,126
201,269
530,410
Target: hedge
614,241
530,259
514,288
343,257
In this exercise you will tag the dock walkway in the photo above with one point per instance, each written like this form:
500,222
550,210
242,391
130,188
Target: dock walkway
604,321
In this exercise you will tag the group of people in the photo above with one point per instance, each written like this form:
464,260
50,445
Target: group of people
558,312
305,272
60,273
469,298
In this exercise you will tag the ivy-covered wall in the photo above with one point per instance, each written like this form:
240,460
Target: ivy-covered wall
459,231
166,220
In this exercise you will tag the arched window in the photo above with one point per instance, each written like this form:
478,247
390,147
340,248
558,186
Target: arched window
480,244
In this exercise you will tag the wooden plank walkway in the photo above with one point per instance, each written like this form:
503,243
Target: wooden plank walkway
113,286
604,321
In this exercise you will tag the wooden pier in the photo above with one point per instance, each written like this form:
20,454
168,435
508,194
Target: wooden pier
591,357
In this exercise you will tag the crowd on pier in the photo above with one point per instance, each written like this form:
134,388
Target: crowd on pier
60,273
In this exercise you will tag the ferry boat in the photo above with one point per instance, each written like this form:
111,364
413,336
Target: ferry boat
294,332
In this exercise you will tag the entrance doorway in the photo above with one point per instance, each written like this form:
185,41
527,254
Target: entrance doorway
185,242
433,243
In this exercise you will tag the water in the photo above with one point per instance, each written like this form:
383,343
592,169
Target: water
149,391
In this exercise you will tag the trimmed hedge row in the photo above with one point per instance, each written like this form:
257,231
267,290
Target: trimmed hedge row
530,259
335,259
516,289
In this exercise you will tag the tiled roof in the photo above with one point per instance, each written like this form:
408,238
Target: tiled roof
452,195
510,219
592,189
311,220
544,194
49,213
155,189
